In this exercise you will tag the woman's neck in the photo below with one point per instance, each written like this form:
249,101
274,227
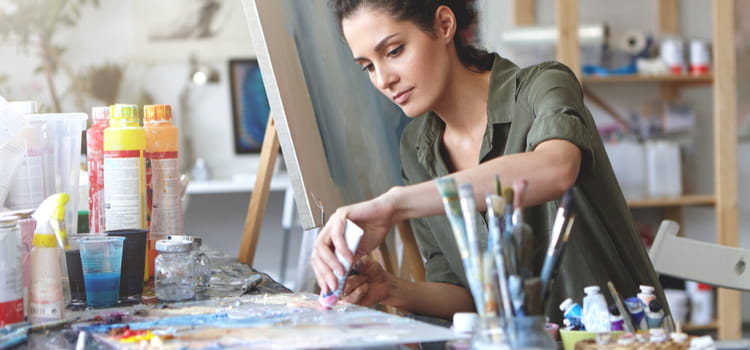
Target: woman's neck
463,104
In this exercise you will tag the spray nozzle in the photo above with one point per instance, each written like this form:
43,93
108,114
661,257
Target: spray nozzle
50,216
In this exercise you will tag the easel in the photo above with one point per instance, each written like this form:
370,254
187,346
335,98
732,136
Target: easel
412,262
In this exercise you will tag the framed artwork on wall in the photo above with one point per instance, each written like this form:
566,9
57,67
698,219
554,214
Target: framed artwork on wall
250,107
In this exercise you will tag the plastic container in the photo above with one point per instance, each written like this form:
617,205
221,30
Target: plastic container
700,57
95,159
101,259
664,169
628,160
595,314
678,304
174,270
701,304
28,186
62,158
163,185
570,338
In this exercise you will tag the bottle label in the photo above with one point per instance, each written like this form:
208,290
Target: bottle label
123,190
27,186
11,312
164,189
46,299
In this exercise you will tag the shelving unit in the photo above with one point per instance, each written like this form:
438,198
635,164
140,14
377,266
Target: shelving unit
724,199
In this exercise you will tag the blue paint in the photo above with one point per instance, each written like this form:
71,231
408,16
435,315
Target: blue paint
102,289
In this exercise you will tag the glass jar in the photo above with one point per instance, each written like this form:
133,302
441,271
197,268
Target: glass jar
174,270
528,332
202,265
490,335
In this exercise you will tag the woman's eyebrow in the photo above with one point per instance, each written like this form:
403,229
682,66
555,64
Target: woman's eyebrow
378,47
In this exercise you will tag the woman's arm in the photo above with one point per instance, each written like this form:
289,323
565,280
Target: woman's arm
550,170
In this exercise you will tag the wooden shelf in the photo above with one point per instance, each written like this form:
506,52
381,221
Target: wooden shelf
688,327
691,199
704,79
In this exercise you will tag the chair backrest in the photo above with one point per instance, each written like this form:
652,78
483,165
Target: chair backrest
704,262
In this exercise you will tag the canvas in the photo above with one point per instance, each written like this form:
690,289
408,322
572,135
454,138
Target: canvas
339,135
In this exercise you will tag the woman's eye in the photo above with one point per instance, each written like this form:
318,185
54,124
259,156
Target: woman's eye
396,51
368,67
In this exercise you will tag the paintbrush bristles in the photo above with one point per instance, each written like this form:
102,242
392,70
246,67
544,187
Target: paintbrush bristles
519,190
498,186
508,195
497,204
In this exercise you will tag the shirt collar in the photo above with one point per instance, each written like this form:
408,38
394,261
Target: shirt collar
501,97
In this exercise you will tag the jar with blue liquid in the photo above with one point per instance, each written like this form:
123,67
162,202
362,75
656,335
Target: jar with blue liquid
174,276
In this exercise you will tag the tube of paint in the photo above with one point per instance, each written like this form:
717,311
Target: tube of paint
352,234
654,315
595,314
572,312
646,295
616,321
637,314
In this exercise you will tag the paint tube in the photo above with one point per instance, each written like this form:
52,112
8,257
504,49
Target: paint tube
646,295
572,313
654,315
637,314
595,314
616,321
11,272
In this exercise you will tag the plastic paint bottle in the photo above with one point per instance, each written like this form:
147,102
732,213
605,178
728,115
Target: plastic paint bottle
572,312
637,314
595,315
46,296
616,321
163,185
125,172
701,304
646,295
95,159
654,315
11,272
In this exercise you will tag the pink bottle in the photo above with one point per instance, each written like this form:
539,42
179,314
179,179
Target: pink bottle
95,158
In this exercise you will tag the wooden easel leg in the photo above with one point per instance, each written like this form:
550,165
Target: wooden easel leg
412,258
259,198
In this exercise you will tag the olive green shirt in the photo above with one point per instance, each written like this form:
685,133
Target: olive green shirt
525,108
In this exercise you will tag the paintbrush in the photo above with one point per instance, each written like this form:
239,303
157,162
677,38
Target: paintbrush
628,324
509,244
469,210
562,212
548,274
496,205
522,232
490,288
449,192
532,290
515,288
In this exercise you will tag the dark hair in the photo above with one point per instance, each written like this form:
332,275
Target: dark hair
422,13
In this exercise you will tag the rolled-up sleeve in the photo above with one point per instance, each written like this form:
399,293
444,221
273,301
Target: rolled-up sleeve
556,99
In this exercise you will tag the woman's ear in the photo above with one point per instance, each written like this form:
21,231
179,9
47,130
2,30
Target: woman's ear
445,23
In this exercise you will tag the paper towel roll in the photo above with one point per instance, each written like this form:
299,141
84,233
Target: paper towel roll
632,42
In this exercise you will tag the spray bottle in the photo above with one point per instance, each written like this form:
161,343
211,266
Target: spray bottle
162,175
95,159
124,171
48,272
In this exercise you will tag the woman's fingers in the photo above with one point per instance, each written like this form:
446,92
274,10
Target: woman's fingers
357,295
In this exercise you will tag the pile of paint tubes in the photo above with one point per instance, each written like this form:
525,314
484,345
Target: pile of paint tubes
643,311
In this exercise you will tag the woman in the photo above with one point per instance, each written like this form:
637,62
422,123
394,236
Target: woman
476,115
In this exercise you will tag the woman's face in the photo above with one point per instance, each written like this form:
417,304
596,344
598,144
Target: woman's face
405,63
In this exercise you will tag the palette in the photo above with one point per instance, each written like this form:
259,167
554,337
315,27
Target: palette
279,321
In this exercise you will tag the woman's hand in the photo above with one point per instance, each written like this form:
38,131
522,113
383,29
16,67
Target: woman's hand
369,285
375,217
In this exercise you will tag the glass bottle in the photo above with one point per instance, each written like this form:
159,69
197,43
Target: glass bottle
491,335
174,270
528,332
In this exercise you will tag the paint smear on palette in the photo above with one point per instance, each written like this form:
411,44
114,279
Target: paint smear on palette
283,321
